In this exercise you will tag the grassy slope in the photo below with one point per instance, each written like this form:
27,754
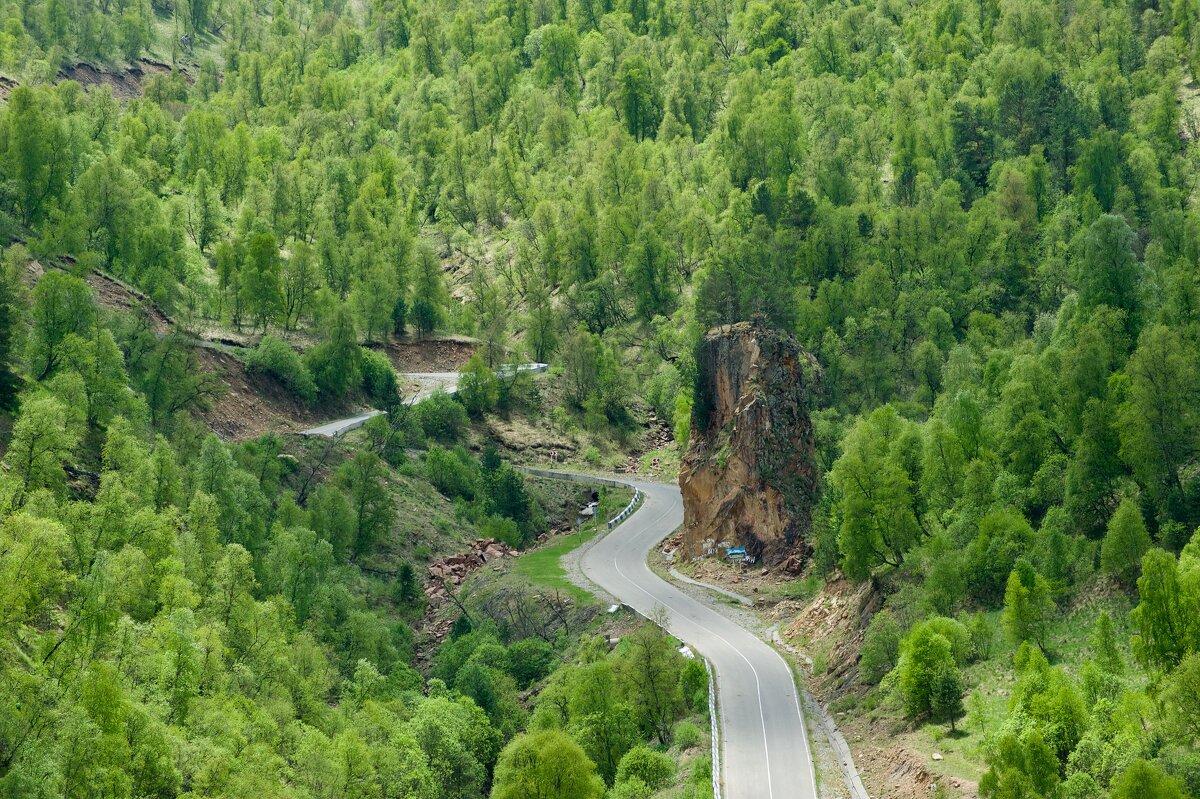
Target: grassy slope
878,717
543,566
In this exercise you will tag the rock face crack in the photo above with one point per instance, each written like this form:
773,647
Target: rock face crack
750,477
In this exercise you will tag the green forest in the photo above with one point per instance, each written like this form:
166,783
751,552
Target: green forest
978,215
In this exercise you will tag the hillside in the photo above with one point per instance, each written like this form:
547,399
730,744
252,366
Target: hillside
978,217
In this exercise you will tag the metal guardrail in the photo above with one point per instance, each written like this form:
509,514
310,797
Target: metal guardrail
629,509
715,723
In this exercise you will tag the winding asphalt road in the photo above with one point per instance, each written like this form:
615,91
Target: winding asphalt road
765,752
765,745
426,385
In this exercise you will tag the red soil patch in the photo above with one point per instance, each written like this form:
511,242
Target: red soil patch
254,404
125,84
446,354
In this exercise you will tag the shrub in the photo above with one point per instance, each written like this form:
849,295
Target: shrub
478,389
274,357
687,735
881,647
693,682
502,529
530,659
643,763
634,789
451,473
379,379
441,418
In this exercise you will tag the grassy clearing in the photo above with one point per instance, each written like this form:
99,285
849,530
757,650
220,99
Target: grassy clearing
543,566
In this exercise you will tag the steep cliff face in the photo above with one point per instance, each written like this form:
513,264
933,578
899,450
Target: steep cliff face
749,477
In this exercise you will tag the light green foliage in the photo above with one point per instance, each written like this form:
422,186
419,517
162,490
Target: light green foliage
879,518
276,358
1028,606
379,381
545,763
880,649
1105,649
924,654
334,363
62,305
441,417
41,443
650,666
1165,618
477,387
1125,542
1183,698
1144,780
653,769
363,479
977,216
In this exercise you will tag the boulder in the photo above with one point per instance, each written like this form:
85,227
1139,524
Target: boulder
749,477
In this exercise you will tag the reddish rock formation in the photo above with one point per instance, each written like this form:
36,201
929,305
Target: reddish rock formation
749,477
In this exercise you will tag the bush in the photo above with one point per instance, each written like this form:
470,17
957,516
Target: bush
452,472
693,682
687,735
274,357
478,389
530,659
379,379
441,418
880,649
643,763
634,789
502,529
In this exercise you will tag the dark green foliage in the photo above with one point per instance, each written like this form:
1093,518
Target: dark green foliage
945,695
530,660
407,589
334,363
10,312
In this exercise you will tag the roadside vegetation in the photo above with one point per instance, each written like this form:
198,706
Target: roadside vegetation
980,217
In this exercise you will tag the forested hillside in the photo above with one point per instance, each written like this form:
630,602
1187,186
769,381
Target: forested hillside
979,217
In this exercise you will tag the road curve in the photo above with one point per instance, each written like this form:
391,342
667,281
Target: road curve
765,746
427,384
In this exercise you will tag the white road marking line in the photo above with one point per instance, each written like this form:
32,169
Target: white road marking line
757,681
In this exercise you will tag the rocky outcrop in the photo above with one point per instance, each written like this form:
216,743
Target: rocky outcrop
450,572
749,477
